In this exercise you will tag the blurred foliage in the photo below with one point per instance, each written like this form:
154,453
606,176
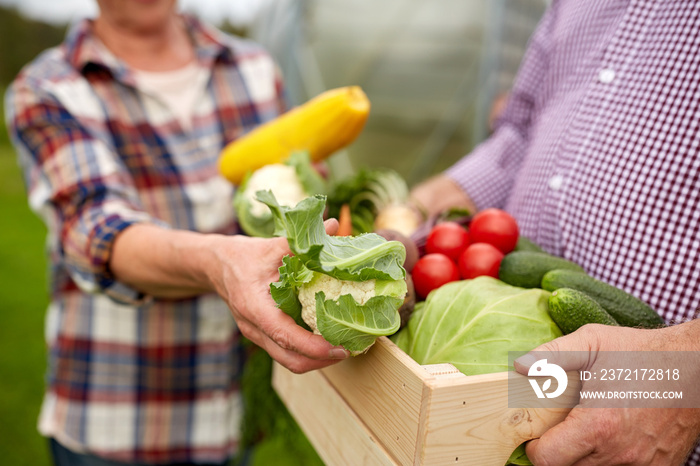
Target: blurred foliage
232,29
267,427
23,302
22,40
23,287
4,137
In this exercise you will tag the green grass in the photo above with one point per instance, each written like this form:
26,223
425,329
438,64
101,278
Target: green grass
23,301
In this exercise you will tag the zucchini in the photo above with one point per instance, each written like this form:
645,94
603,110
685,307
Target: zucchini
627,310
526,268
526,244
572,309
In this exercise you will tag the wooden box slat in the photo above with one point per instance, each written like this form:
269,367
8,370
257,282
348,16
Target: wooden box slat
388,409
385,388
339,436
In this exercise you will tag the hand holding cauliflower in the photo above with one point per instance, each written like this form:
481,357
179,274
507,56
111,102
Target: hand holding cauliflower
347,289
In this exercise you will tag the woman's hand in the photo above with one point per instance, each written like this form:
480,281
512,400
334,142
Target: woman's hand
175,264
246,267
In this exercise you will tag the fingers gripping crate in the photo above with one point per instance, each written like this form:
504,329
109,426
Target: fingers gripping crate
383,408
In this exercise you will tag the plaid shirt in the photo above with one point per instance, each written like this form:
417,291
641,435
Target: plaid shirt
130,377
598,152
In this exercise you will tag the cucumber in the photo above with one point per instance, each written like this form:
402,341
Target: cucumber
572,309
627,310
526,244
526,268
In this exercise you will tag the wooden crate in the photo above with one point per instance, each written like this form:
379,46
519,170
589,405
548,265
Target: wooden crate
383,408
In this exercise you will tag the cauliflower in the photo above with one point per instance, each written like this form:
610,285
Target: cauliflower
290,182
348,289
282,180
333,289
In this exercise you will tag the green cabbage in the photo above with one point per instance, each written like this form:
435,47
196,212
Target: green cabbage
296,178
473,324
356,283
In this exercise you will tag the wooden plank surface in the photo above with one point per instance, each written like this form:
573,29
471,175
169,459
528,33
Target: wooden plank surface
384,408
384,387
468,420
335,431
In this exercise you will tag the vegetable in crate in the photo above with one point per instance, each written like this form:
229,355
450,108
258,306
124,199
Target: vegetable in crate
496,227
572,309
480,259
290,182
448,238
412,254
626,309
378,199
526,244
409,302
433,271
346,288
324,124
526,268
473,324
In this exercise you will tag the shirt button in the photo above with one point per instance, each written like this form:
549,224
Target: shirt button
606,76
556,182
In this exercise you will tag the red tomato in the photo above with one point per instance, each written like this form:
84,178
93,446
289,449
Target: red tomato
448,238
480,259
496,227
432,271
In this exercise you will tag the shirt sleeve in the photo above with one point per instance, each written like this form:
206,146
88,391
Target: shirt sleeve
77,184
487,174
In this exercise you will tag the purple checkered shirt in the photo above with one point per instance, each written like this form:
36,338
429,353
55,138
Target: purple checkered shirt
597,153
133,378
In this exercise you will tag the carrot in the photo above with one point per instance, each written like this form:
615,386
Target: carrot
344,221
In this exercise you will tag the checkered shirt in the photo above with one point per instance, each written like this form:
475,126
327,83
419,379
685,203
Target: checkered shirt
133,378
597,153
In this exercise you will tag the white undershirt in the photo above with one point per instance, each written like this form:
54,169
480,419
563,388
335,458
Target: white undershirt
179,89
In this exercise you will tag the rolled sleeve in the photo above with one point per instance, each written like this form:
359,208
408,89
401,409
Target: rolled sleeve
77,185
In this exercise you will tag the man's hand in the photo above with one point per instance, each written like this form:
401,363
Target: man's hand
439,193
617,436
246,267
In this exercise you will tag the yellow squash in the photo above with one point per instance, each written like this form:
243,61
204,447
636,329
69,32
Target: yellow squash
321,126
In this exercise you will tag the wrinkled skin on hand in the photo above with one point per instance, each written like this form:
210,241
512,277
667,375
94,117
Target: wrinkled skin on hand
619,436
246,267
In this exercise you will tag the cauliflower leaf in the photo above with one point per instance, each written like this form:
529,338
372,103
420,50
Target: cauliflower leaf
355,258
356,326
347,289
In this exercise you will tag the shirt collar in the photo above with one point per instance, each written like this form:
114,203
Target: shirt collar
83,49
210,43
